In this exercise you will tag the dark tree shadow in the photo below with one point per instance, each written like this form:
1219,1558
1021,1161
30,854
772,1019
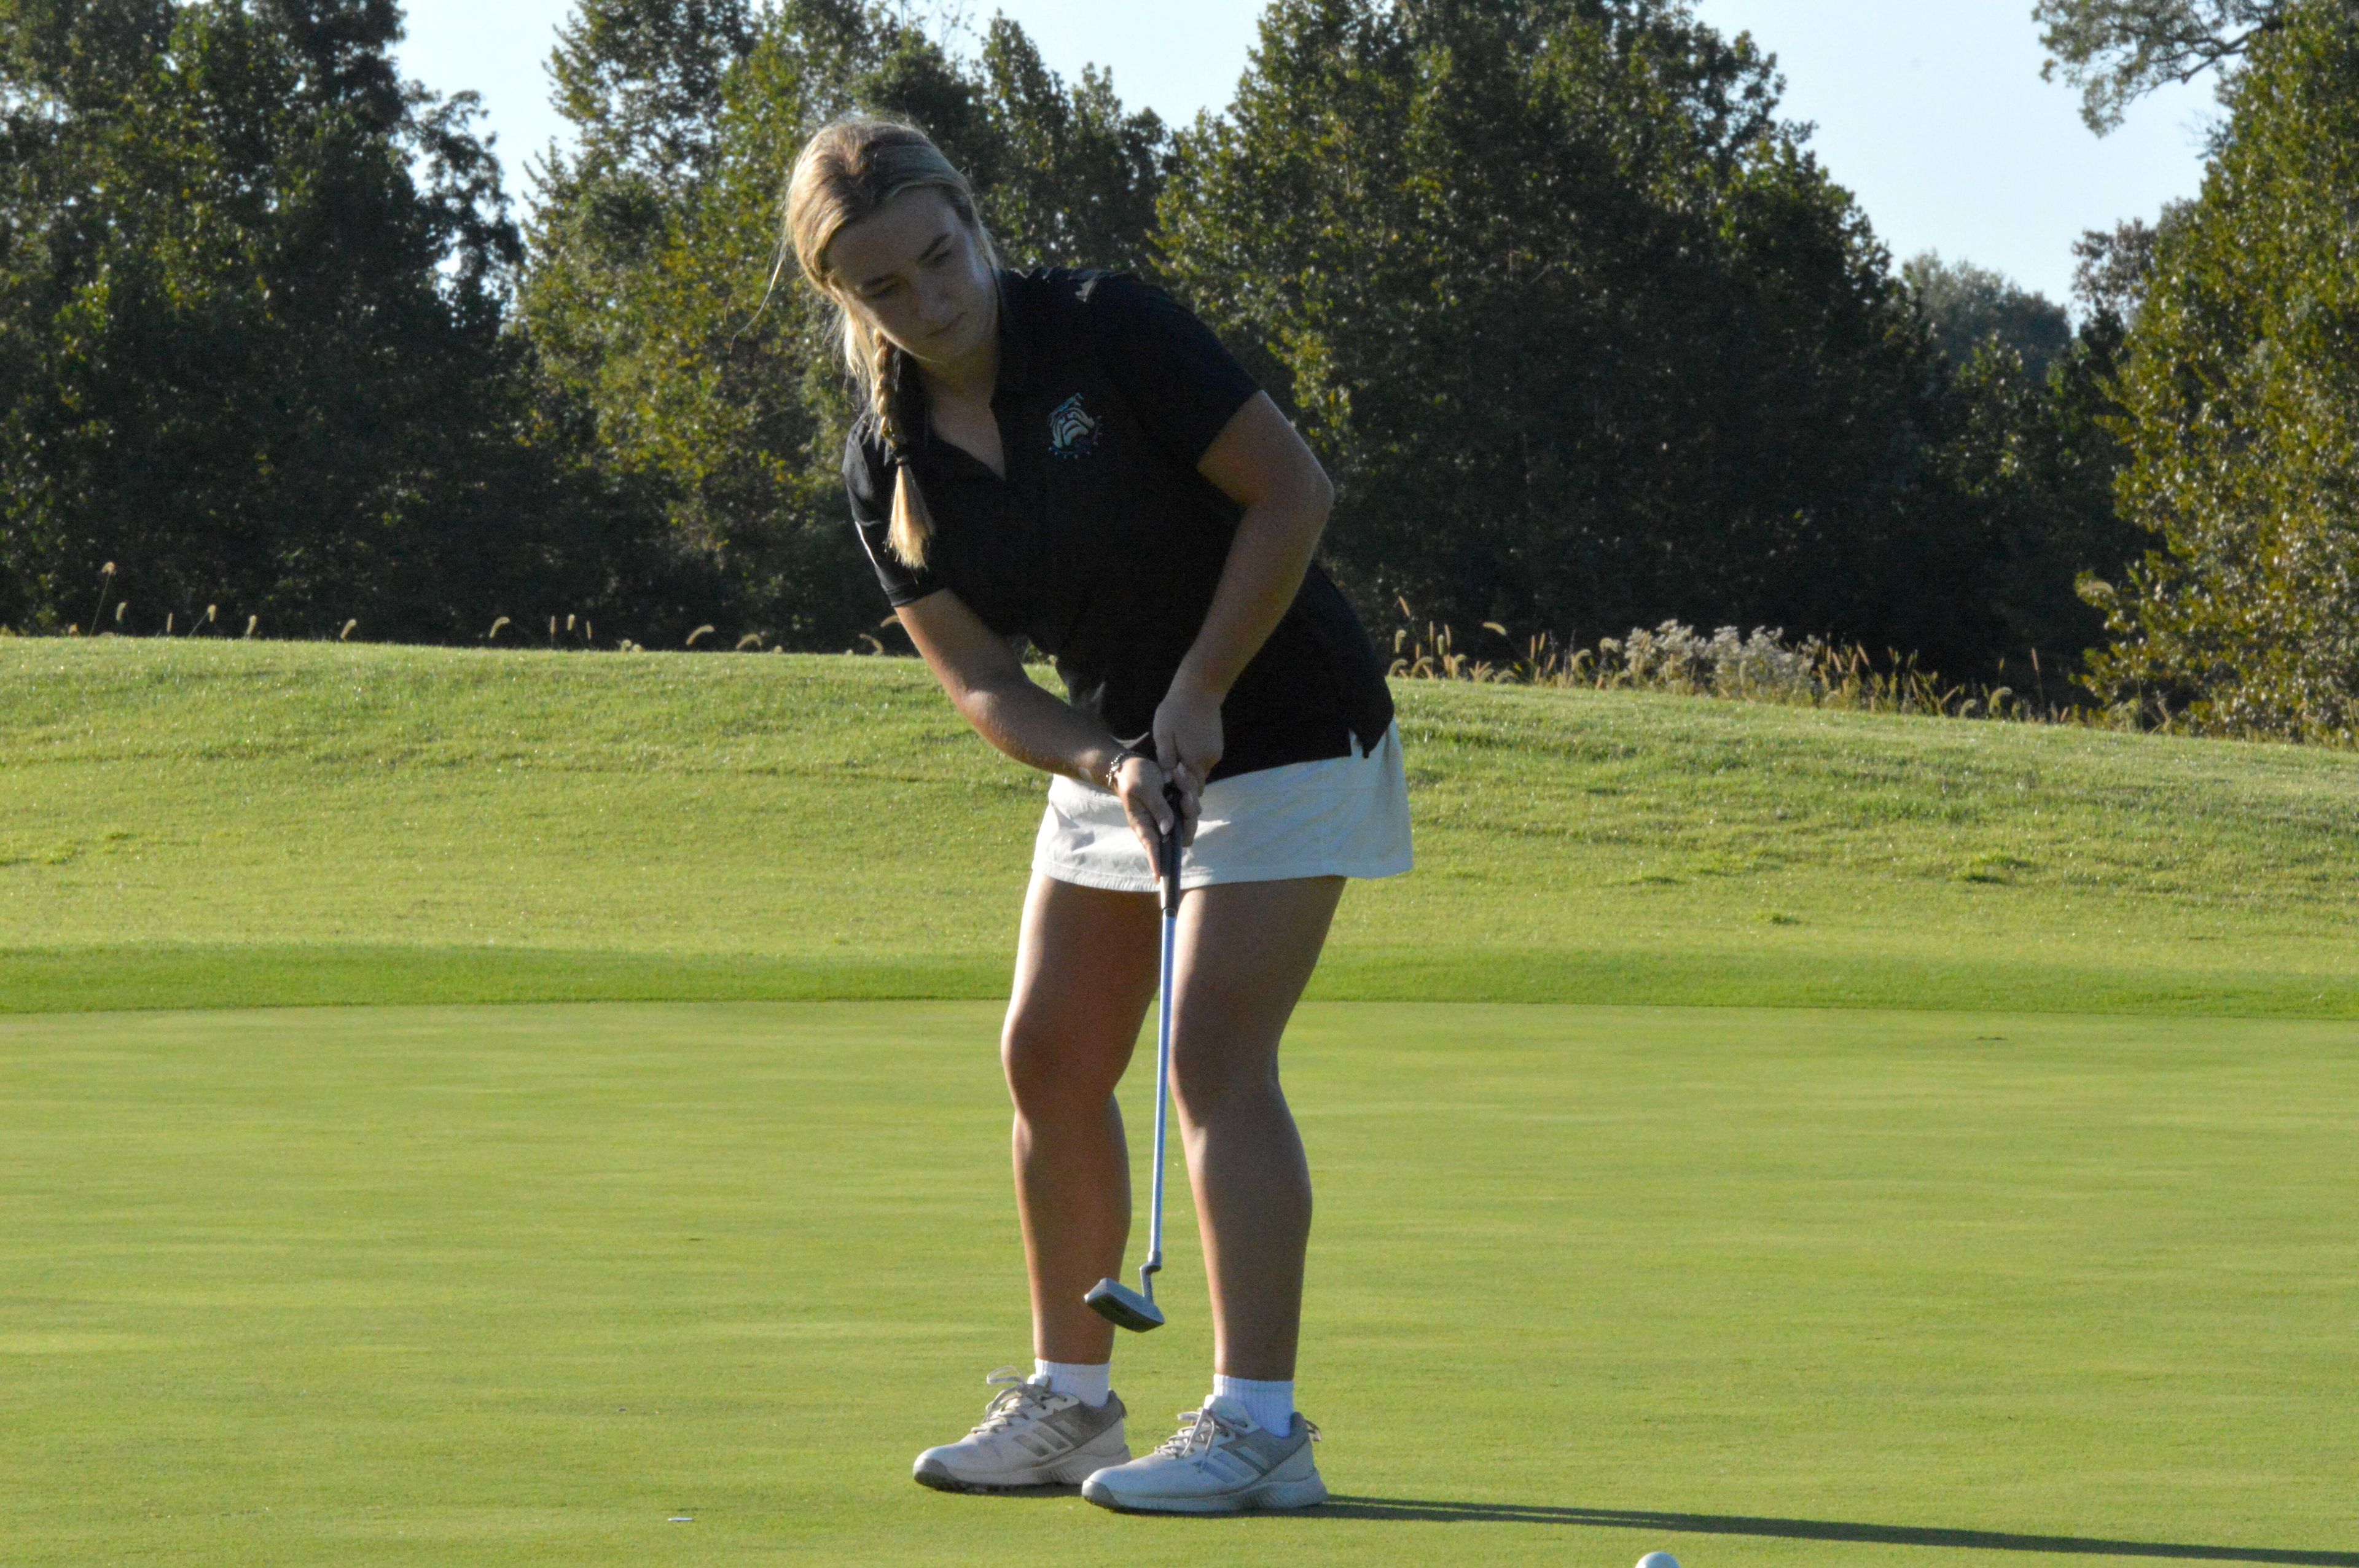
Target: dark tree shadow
1342,1506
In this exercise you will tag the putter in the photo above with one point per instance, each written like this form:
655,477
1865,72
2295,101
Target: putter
1111,1299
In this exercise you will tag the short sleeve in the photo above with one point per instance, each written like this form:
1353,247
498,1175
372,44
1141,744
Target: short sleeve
1181,384
868,479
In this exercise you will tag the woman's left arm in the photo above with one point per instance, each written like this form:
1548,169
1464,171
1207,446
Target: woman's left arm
1260,463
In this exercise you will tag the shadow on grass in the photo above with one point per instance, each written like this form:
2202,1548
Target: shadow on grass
1342,1506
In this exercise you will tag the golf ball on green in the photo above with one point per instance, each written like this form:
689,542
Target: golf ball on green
1658,1559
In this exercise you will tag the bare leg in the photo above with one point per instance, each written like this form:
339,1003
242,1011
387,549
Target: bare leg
1086,970
1246,949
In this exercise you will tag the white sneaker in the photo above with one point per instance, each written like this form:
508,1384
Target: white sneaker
1221,1462
1028,1437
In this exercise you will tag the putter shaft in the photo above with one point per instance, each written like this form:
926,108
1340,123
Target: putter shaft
1167,855
1147,1271
1139,1312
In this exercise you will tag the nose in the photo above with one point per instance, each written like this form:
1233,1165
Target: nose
939,306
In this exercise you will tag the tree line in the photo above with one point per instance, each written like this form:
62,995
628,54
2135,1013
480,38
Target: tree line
1585,333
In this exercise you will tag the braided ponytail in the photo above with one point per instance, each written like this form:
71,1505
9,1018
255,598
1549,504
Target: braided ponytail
913,526
846,172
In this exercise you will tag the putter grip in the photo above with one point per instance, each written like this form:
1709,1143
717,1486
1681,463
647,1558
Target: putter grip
1167,854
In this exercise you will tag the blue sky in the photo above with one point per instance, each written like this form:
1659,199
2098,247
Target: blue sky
1932,114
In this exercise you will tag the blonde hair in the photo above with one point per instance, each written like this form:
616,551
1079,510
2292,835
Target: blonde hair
847,173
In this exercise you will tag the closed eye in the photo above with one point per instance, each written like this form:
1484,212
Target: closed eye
933,256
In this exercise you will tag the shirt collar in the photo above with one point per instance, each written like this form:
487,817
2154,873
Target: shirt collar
1018,355
1017,360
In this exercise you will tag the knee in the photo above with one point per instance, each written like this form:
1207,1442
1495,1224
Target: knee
1050,1073
1206,1086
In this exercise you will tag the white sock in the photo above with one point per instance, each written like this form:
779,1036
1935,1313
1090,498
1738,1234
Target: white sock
1089,1384
1271,1404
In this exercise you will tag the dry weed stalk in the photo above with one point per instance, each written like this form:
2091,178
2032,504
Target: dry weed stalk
1761,666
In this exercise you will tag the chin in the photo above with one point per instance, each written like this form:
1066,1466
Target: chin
952,347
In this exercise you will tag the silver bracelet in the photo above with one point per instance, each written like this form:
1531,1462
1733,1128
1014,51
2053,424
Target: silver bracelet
1112,779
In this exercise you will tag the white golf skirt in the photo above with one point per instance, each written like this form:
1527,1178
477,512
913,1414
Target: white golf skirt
1340,817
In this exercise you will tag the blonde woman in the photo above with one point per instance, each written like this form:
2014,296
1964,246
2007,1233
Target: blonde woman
1072,459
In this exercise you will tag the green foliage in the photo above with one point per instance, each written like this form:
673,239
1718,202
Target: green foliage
1969,306
2112,266
638,80
2116,51
2242,398
2031,460
2034,450
1074,178
245,352
1586,335
644,296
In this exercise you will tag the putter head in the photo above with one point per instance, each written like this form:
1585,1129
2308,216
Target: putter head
1123,1307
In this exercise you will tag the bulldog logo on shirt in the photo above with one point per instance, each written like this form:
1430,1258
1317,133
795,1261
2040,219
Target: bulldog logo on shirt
1073,433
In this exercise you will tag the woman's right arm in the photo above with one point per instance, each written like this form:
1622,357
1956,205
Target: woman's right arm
987,685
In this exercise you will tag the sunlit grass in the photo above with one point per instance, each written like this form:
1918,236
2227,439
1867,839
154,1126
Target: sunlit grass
251,821
521,1285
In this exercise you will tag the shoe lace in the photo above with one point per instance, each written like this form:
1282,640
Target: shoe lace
1018,1399
1202,1430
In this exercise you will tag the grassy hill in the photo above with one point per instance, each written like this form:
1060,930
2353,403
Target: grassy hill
206,823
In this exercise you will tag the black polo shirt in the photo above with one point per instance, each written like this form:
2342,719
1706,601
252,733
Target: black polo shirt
1103,545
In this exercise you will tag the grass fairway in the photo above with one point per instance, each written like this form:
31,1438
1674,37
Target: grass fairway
517,1285
207,824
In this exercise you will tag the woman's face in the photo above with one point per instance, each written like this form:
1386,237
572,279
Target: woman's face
916,271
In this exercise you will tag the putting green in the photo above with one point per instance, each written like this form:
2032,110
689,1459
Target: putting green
520,1285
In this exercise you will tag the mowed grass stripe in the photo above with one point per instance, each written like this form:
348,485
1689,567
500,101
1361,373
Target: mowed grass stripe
517,1285
198,823
179,977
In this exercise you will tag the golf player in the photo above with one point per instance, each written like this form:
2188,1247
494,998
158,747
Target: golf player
1071,459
